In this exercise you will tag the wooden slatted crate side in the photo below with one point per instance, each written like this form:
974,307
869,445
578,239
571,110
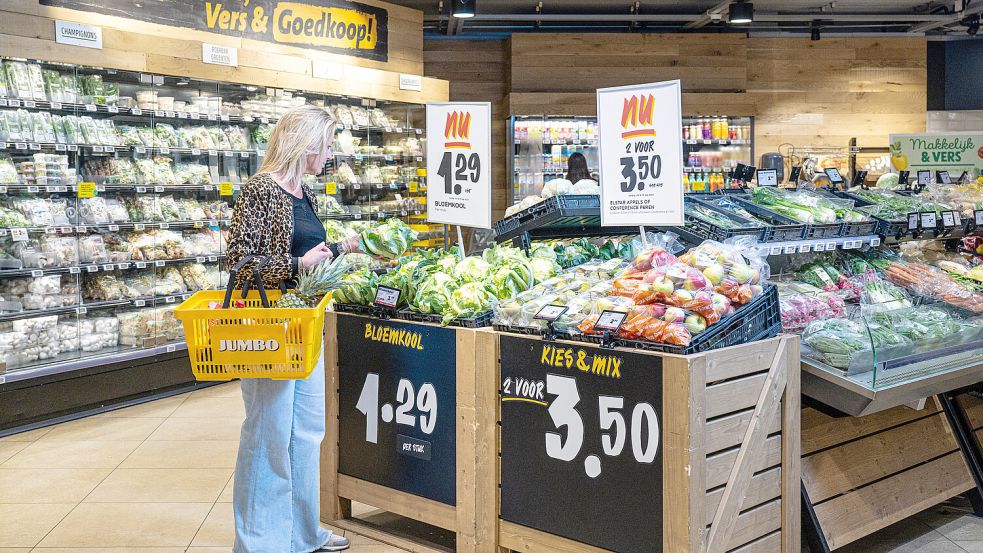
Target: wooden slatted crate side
727,431
974,409
333,506
856,464
754,524
852,516
765,486
821,431
772,543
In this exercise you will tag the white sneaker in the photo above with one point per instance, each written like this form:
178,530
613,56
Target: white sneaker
335,543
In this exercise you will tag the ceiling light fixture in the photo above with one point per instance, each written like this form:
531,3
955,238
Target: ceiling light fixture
814,34
464,8
741,12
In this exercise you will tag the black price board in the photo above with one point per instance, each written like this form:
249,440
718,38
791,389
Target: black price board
397,401
904,177
924,178
943,177
834,175
581,443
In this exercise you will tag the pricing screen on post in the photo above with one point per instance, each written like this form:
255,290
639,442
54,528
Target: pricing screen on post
610,321
582,429
550,312
397,397
387,297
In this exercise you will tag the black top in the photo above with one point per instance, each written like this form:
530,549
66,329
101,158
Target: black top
308,230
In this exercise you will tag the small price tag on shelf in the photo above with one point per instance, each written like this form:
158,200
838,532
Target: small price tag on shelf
165,151
550,312
113,109
74,270
136,111
165,225
213,153
51,230
140,150
158,113
3,189
414,186
819,247
140,226
91,268
139,303
247,118
398,129
874,242
805,248
13,103
330,188
225,118
30,104
170,348
358,216
913,221
33,189
978,217
388,157
35,146
18,234
108,267
159,263
264,120
141,264
168,113
229,153
73,148
182,115
61,148
419,131
66,230
357,186
419,158
141,189
213,258
948,219
387,297
87,190
123,266
195,151
212,117
21,145
113,228
169,299
37,273
90,107
200,259
3,232
97,149
81,310
225,188
194,115
610,321
929,220
158,189
199,224
244,154
790,248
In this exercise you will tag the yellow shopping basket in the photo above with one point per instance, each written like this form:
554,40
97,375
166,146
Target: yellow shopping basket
255,341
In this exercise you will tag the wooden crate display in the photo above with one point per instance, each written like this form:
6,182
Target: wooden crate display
729,449
862,474
431,359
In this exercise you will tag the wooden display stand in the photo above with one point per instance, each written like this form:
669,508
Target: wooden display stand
730,453
862,474
474,513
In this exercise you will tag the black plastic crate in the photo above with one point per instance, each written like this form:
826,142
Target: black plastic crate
782,229
761,318
712,231
824,230
553,212
862,228
478,321
531,331
367,310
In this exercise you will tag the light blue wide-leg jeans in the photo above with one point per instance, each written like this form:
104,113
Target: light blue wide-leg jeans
276,493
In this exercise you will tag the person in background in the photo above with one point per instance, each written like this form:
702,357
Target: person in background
577,169
276,491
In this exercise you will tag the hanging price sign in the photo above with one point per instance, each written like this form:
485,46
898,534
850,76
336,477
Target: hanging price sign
459,164
641,152
397,398
581,428
225,188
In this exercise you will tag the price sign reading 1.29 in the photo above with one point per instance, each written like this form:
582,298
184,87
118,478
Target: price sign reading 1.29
641,154
581,427
458,164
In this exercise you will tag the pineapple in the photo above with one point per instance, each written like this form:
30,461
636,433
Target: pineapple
313,283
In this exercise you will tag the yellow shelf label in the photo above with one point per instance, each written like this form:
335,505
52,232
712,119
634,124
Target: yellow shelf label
225,188
331,188
87,190
421,172
414,186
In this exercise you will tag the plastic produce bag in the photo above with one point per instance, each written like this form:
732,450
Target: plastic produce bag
733,269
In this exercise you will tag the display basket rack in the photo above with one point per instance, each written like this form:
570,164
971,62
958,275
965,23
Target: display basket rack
810,231
708,230
759,319
480,320
556,217
781,229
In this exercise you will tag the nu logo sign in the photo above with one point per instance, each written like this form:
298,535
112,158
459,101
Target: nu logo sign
248,345
636,116
457,129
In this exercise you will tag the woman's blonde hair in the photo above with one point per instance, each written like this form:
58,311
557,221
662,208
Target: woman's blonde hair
302,131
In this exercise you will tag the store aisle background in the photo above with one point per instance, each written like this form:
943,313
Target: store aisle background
152,478
157,478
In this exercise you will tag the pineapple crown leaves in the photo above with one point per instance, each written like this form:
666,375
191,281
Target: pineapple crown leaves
322,278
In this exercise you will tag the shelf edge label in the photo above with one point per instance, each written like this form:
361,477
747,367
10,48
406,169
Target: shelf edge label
78,34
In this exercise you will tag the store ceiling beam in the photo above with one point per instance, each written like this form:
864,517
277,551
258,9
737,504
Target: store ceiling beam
947,20
455,26
937,20
715,12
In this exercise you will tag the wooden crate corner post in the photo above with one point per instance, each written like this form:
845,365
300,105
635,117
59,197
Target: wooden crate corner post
333,506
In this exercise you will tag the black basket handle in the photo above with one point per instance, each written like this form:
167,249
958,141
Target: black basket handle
258,278
254,277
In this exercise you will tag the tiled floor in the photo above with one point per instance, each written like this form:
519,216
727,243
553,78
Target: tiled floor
157,478
153,478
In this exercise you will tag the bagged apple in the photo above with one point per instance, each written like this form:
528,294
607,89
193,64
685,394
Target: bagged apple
734,269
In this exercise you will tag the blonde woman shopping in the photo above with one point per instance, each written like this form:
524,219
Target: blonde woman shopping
275,495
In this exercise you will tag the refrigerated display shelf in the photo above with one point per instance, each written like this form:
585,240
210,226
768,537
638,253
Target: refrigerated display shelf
86,306
372,215
96,267
113,227
73,361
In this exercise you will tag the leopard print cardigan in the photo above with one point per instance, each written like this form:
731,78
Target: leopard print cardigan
263,225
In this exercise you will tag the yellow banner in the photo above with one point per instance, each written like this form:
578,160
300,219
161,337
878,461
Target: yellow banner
295,23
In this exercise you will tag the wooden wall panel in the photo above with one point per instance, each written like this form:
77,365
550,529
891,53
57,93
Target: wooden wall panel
803,92
27,30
